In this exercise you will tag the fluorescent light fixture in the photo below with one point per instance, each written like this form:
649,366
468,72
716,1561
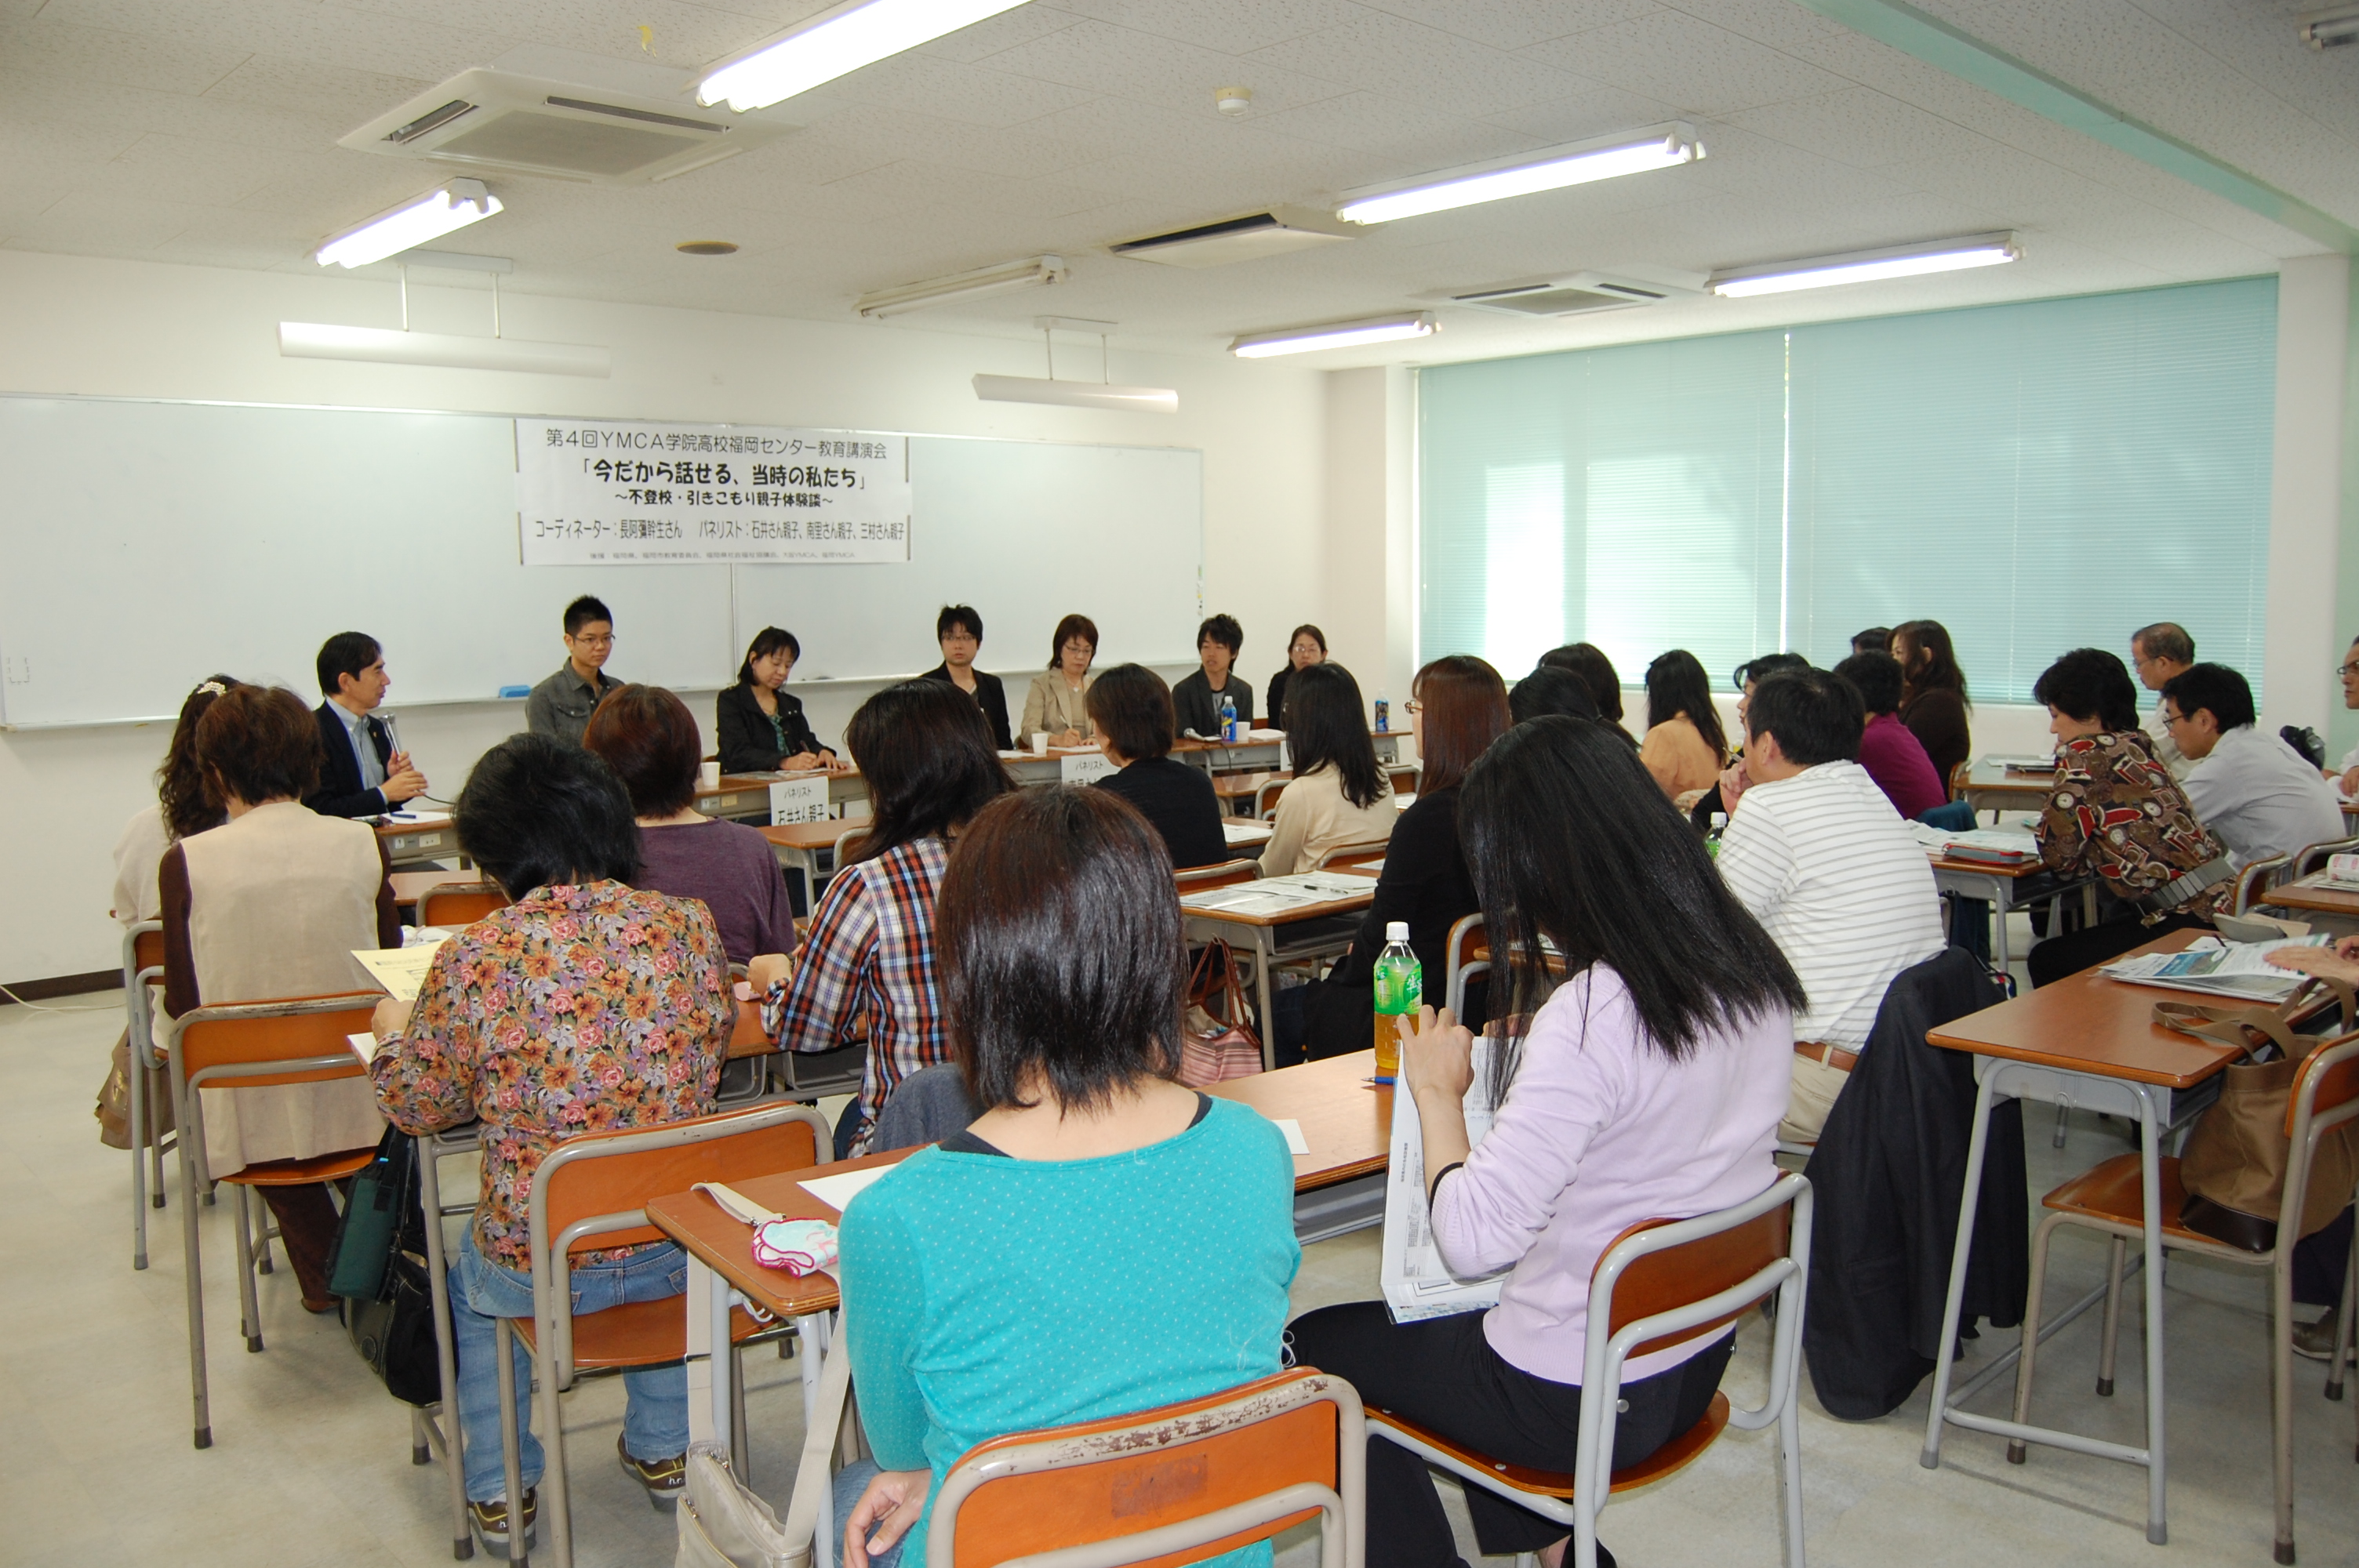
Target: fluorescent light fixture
1867,267
2334,27
1334,335
837,41
383,345
1031,272
453,205
1551,168
1076,393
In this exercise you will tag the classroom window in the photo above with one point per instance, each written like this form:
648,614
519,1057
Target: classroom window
2035,476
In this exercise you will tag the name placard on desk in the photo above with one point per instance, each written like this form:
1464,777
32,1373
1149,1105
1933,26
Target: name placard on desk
798,800
1085,767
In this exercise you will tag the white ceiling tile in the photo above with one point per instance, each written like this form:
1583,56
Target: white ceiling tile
1229,26
92,223
212,174
52,49
1421,65
1858,127
1699,68
35,147
1780,24
1004,31
1414,137
1513,24
1103,57
973,94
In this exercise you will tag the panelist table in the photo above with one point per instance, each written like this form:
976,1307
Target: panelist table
745,797
1347,1120
1263,755
2089,1041
419,843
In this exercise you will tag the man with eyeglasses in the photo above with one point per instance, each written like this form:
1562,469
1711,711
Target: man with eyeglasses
2349,670
2252,791
2158,653
559,706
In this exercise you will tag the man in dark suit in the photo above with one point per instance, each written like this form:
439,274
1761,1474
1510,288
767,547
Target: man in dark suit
361,774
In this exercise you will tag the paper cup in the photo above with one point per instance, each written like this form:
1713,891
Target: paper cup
708,774
1039,743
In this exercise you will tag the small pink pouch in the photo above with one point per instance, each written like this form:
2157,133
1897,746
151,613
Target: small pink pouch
798,1246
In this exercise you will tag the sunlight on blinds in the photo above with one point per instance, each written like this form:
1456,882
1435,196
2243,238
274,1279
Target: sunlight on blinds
1523,546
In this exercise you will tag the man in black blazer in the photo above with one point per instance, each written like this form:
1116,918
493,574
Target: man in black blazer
361,774
958,630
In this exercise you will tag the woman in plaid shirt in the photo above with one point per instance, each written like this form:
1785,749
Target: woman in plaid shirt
867,968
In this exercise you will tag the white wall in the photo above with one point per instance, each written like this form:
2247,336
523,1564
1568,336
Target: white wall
2306,502
136,329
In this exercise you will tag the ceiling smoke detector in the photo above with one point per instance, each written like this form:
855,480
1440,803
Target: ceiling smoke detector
1582,294
1232,100
490,120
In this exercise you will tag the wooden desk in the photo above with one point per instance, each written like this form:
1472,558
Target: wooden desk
748,1038
419,843
745,797
1247,756
2093,1043
2007,889
2313,896
1259,934
1995,789
799,845
1347,1120
409,885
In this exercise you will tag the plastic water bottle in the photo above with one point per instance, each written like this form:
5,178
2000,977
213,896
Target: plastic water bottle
1712,839
1229,719
1400,988
1383,715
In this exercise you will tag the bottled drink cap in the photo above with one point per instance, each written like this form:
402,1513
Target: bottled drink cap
1396,930
1719,820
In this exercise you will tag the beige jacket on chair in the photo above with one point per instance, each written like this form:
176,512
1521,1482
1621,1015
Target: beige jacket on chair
1055,707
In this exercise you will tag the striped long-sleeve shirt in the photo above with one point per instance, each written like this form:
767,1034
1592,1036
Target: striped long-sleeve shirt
870,958
1831,872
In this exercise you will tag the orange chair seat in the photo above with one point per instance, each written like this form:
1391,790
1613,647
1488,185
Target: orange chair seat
1671,1458
639,1334
2114,1192
302,1173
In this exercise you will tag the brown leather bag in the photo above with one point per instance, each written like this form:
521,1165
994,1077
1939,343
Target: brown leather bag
114,1107
2237,1157
1217,1041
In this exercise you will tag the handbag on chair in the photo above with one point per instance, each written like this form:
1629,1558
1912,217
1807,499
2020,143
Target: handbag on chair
2234,1162
1216,1042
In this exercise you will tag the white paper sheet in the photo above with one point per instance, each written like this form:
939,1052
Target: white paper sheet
364,1046
400,970
1416,1283
839,1190
1295,1142
1240,830
2218,968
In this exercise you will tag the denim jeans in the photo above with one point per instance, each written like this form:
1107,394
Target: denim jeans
655,1423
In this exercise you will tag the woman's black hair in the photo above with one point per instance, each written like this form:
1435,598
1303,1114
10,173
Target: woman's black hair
1750,672
1040,988
1676,684
1325,726
1877,679
2089,682
768,640
1588,660
1552,688
537,813
1131,710
1568,838
925,751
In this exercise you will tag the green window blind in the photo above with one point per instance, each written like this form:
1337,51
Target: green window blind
2034,476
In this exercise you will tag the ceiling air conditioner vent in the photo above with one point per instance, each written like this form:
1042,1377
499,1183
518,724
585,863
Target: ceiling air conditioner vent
491,120
1580,295
1269,232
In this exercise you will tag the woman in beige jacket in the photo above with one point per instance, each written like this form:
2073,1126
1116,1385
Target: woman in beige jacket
270,905
1339,794
1055,704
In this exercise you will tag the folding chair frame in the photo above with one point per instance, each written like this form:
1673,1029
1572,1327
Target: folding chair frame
148,1184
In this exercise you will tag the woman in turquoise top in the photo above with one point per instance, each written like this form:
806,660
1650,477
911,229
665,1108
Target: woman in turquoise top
1101,1241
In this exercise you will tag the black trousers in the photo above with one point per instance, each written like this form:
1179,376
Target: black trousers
2070,952
1443,1375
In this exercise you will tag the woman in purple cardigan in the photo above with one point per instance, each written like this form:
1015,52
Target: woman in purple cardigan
1648,1086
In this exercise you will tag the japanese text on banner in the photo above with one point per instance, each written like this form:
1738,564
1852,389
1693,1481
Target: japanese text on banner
609,492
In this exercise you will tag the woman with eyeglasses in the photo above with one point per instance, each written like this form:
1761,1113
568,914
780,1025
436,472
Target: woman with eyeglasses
761,727
1307,647
1056,705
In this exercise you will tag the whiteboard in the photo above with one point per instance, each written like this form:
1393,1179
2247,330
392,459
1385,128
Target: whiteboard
145,545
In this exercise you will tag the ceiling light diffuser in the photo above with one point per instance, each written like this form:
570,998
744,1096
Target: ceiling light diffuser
1076,393
1031,273
1334,335
1867,267
1550,168
454,205
837,41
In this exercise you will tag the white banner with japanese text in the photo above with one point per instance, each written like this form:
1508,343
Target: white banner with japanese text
620,492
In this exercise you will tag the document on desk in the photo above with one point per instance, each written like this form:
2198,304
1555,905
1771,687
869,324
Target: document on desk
1416,1283
840,1190
2214,968
419,819
400,970
1240,830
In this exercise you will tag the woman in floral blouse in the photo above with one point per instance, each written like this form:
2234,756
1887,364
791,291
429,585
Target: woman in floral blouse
2118,815
583,1006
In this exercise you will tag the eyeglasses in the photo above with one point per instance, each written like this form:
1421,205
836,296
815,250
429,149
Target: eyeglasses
2347,671
1412,706
605,642
2169,718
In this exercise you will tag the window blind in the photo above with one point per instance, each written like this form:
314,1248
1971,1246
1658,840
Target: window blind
2035,476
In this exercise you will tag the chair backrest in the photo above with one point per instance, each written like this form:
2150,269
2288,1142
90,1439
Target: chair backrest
2307,861
243,1036
2327,1080
1351,854
1266,793
2254,880
1227,873
600,1176
1267,1456
143,950
454,905
1658,1267
1957,776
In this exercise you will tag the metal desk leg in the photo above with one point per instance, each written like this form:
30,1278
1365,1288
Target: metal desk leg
1998,912
708,1395
1976,1147
1264,953
811,1329
2157,1529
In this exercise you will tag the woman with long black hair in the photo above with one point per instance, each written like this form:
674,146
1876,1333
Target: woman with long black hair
1339,794
1685,747
1933,700
1648,1085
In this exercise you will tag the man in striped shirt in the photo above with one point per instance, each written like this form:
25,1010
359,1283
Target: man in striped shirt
1814,849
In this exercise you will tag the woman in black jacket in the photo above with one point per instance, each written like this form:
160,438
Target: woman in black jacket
761,729
1458,707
